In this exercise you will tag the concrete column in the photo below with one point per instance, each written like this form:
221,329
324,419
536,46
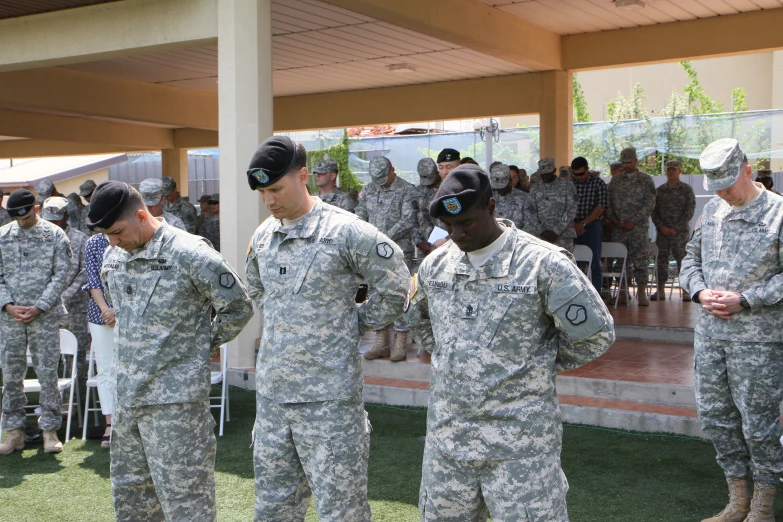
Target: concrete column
557,119
175,164
245,120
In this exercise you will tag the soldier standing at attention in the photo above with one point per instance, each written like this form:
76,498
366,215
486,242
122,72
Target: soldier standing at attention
390,204
448,160
163,284
178,205
35,261
326,173
85,191
552,207
510,204
734,270
501,312
631,200
212,224
429,181
203,202
311,431
55,210
675,204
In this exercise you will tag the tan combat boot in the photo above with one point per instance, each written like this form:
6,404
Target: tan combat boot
686,296
739,502
400,350
643,300
381,348
660,295
762,504
14,440
51,443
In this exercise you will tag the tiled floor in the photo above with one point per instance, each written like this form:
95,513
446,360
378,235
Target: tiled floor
671,313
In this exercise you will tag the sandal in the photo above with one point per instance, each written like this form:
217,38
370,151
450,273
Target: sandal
106,439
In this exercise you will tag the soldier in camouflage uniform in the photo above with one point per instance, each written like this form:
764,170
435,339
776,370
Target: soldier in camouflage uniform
326,174
203,202
75,208
304,264
5,217
552,207
45,189
429,180
631,200
390,204
178,205
151,190
734,270
510,204
56,211
35,262
212,224
164,284
501,312
85,191
675,204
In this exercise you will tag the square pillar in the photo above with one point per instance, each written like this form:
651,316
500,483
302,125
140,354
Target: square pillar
245,120
557,116
175,164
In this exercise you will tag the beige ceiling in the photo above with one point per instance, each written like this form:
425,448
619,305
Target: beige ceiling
14,8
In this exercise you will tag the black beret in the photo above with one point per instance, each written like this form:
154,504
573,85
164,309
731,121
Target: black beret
271,161
107,203
448,155
465,186
20,202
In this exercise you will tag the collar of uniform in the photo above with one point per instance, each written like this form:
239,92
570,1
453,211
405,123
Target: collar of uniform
152,248
396,183
497,267
754,212
307,226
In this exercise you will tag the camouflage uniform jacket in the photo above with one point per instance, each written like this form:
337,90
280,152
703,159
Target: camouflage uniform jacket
514,206
304,283
5,217
211,230
497,335
185,211
425,222
163,295
391,210
740,250
174,221
631,197
34,266
74,299
674,207
338,198
552,207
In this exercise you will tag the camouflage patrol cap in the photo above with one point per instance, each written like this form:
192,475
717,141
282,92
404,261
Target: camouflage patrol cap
54,209
45,189
499,176
615,165
151,190
168,185
523,177
764,173
673,164
86,188
204,198
379,170
215,197
546,166
535,178
326,166
565,172
627,154
721,162
428,171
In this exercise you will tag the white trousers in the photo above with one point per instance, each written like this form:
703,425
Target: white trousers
103,344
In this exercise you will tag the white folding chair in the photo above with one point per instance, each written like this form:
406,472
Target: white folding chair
91,393
611,251
674,277
221,377
68,346
584,254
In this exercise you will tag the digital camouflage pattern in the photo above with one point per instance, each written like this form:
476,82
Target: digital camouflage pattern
392,210
553,207
76,302
497,335
425,223
174,221
674,207
34,269
211,230
5,217
738,367
338,198
514,206
163,295
185,211
304,281
333,445
631,197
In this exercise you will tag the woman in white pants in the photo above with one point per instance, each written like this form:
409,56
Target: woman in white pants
100,317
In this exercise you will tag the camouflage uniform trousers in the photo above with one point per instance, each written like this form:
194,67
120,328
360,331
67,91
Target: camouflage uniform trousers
637,242
77,324
530,489
670,246
42,337
318,446
163,462
739,388
399,324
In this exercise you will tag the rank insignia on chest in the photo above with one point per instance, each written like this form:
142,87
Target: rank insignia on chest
470,311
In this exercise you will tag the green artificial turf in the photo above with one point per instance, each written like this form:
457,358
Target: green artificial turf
614,476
